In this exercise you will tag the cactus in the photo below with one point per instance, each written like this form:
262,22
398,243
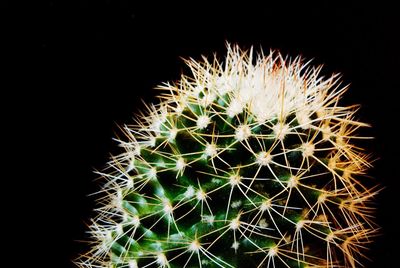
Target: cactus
248,163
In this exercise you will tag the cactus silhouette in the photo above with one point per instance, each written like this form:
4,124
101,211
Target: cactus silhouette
249,162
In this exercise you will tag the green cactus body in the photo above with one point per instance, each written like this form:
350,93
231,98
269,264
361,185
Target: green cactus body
243,164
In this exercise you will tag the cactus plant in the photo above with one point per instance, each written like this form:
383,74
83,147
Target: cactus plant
247,163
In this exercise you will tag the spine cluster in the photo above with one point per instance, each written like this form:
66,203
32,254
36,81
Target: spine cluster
246,163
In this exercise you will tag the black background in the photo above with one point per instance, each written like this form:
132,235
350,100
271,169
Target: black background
78,69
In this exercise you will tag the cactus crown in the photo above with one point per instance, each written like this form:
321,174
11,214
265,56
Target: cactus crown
246,163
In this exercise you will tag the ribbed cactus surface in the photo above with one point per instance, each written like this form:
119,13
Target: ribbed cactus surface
249,162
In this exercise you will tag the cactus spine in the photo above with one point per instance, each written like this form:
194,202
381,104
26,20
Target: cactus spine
246,163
